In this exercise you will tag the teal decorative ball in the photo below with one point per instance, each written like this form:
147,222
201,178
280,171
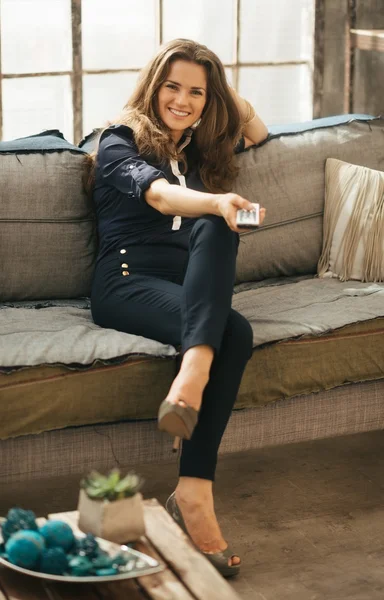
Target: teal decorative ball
17,519
24,548
53,561
57,534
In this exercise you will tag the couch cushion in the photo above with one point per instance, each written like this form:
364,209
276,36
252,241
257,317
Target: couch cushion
286,369
353,240
43,398
47,225
288,308
309,306
286,175
66,335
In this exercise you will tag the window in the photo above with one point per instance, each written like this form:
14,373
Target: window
72,64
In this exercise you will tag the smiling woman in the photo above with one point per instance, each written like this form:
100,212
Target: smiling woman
166,264
182,97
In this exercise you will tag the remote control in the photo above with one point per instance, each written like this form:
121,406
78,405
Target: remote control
248,219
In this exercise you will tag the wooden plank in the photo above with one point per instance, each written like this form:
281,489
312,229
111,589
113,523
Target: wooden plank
349,56
236,44
17,586
164,585
127,589
70,591
197,573
1,87
159,22
318,62
333,40
368,83
77,75
368,39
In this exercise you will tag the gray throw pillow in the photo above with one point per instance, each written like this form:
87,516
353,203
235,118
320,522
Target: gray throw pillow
47,223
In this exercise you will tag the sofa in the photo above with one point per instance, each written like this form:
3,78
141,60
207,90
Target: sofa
74,396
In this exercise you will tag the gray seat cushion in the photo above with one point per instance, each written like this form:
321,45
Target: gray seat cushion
65,334
289,308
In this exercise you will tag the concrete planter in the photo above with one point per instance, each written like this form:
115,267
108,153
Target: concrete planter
119,521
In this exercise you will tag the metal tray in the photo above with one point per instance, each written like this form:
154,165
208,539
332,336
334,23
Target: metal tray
138,564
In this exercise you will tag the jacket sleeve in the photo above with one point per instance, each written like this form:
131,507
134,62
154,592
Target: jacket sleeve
240,146
121,166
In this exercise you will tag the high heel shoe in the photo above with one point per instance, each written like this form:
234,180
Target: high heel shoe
219,559
177,420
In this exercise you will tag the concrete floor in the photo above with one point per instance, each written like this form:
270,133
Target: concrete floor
307,519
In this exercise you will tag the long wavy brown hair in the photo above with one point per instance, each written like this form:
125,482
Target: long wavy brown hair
220,127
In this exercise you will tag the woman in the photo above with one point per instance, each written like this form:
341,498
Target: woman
168,245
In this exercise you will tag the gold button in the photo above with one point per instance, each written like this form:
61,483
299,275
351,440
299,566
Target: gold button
123,251
124,265
125,273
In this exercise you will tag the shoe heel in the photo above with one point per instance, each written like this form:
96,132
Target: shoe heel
176,444
177,420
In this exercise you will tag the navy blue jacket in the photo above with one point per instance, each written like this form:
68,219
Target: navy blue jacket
121,179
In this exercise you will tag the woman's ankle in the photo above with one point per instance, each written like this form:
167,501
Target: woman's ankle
199,360
194,490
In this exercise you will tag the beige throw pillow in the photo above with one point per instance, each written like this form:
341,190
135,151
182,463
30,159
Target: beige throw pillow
353,227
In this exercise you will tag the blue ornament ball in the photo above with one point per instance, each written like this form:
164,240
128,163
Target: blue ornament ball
53,561
24,548
57,534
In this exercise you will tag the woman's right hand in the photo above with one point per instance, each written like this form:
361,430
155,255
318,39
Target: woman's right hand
229,204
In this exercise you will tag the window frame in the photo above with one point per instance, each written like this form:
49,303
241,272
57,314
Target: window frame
77,71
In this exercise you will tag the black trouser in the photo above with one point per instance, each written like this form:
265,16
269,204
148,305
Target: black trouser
196,310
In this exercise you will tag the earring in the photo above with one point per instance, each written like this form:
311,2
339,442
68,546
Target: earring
196,124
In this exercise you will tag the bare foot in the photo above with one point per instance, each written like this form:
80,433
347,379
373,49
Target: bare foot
187,388
189,384
194,498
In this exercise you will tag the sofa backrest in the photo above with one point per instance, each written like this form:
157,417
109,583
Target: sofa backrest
47,224
286,175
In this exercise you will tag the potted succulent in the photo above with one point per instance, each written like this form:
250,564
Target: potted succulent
111,507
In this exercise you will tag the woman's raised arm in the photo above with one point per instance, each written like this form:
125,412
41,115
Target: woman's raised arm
254,130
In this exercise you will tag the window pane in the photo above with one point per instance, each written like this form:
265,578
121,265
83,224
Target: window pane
33,104
105,97
36,36
210,23
278,94
276,30
229,74
118,34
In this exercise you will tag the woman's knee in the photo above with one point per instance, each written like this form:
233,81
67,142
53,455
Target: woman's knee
213,227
